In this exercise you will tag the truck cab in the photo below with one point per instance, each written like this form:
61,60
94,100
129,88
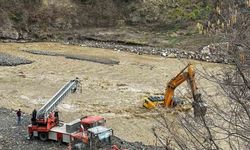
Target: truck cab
92,138
92,121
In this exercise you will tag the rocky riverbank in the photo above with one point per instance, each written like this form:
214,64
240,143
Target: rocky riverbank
215,53
14,137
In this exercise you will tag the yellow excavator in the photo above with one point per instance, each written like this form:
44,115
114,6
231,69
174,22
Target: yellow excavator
168,100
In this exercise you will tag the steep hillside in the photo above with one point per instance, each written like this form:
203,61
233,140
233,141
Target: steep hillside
24,18
161,23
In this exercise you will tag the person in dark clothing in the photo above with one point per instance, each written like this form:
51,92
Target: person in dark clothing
33,119
56,115
19,114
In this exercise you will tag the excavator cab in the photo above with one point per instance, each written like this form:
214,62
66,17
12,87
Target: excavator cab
153,101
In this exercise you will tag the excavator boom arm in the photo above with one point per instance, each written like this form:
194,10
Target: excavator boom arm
176,81
169,93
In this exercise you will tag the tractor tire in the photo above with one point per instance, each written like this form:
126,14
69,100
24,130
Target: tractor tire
43,136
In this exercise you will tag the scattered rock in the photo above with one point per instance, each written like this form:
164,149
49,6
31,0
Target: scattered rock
164,54
172,55
205,50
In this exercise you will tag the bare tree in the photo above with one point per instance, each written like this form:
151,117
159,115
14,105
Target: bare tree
226,124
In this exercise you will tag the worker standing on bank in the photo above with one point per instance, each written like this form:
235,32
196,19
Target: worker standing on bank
19,114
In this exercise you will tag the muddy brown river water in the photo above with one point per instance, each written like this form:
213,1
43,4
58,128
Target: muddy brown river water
112,91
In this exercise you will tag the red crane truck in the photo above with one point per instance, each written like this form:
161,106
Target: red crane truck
46,125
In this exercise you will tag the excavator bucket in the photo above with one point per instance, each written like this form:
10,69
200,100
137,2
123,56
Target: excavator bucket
199,106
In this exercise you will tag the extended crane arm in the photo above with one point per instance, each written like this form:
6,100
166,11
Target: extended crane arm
44,112
176,81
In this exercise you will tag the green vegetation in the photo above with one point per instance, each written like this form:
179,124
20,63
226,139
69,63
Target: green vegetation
175,21
166,11
150,13
16,17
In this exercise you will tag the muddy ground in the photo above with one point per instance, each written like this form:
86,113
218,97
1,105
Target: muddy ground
112,91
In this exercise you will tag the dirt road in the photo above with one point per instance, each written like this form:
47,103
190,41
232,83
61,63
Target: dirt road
113,91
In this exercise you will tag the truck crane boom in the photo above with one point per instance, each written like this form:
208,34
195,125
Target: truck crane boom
45,123
49,107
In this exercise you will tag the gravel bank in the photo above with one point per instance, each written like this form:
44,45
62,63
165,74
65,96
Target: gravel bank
212,53
14,137
9,60
215,53
77,57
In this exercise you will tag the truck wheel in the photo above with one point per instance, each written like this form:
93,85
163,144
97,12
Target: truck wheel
43,136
